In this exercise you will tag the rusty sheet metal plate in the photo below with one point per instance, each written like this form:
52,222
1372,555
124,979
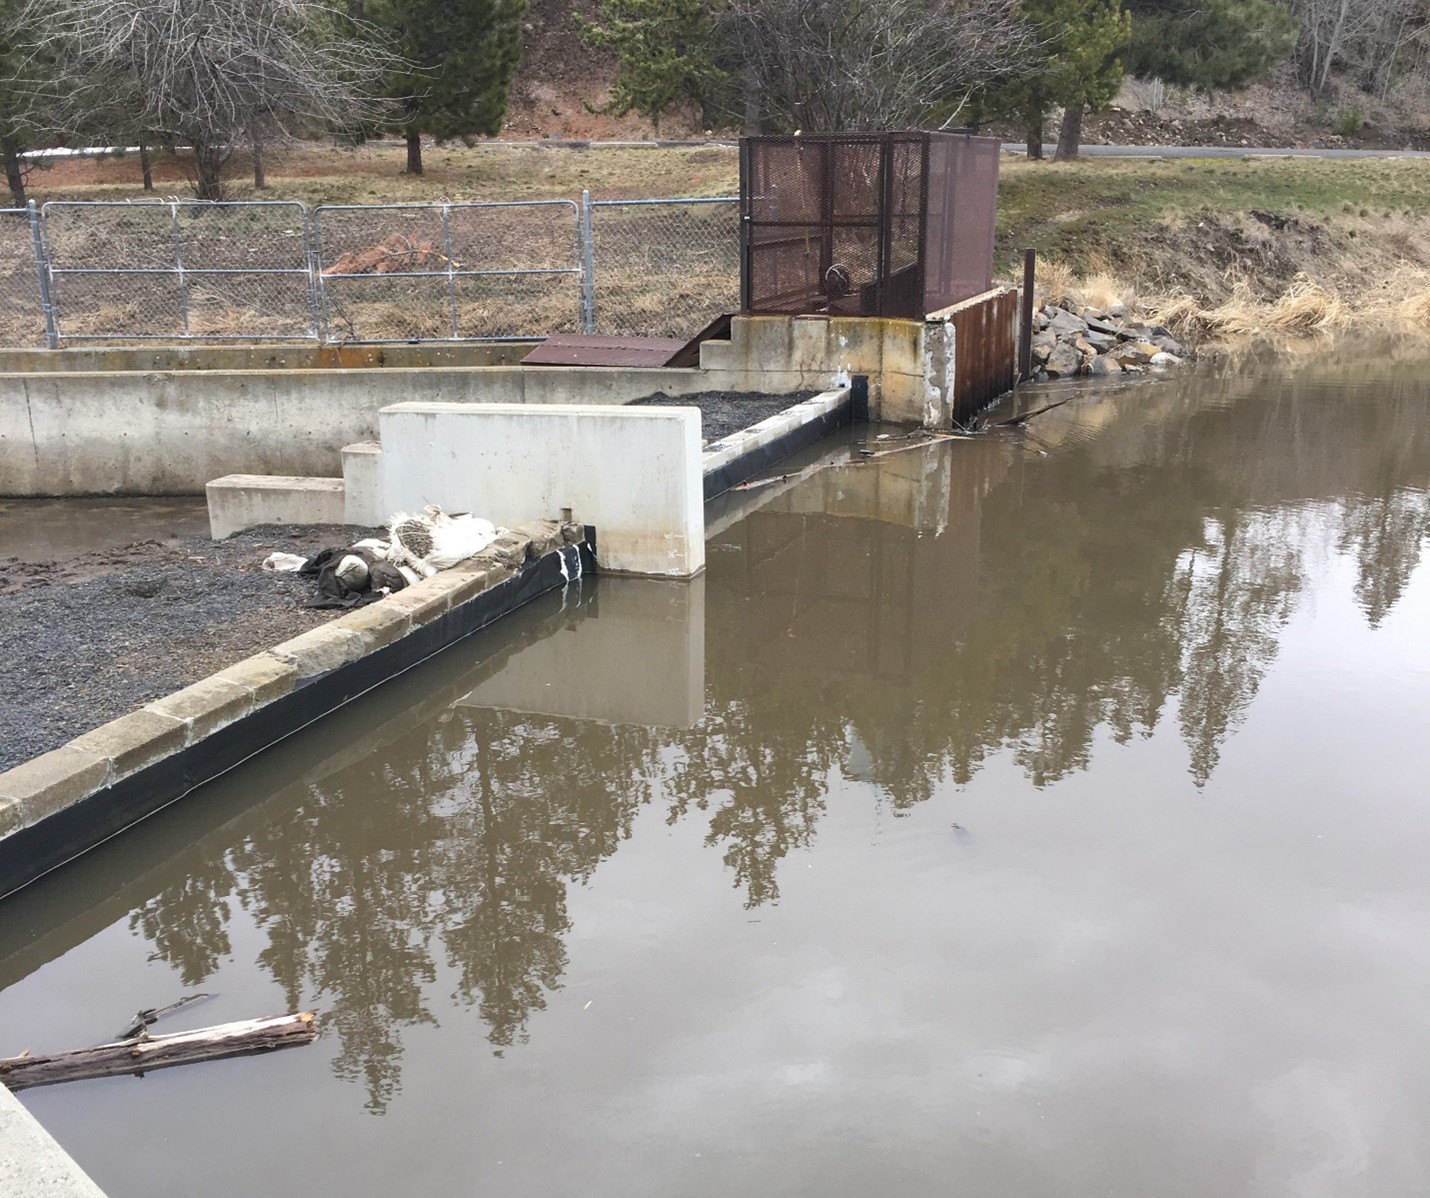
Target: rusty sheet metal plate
575,349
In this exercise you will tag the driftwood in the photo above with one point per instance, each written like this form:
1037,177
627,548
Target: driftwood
144,1052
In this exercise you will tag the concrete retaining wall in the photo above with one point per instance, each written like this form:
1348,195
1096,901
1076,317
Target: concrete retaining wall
66,431
170,433
63,803
32,1164
633,472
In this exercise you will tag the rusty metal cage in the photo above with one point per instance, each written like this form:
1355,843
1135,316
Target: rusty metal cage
866,224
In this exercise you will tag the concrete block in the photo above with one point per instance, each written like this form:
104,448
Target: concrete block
543,535
468,580
239,501
38,788
321,650
380,623
362,485
32,1164
205,707
133,741
423,602
263,675
634,473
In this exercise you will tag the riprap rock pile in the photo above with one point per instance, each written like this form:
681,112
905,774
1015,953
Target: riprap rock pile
1089,341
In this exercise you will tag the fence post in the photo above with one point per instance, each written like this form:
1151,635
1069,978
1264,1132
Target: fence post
1025,328
42,277
451,268
588,267
179,266
310,256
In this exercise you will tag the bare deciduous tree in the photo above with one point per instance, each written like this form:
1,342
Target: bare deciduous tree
871,64
211,74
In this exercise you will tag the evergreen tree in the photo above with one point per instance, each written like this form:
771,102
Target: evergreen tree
1208,43
460,57
1078,65
664,53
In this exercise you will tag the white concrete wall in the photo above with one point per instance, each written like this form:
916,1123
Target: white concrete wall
132,433
634,473
239,501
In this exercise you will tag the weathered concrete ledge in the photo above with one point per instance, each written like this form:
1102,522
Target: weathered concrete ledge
32,1164
742,455
63,803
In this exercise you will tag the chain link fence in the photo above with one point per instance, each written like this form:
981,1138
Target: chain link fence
662,268
452,272
21,279
274,271
166,270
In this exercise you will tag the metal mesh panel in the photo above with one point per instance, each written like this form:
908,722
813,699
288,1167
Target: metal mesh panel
23,321
173,270
664,268
962,218
449,271
846,223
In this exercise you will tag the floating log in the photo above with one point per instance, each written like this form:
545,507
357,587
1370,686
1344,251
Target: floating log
144,1052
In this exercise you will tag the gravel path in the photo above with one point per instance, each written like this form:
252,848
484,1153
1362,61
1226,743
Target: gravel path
92,637
726,412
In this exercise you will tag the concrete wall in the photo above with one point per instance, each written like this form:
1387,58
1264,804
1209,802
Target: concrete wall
633,473
170,433
305,356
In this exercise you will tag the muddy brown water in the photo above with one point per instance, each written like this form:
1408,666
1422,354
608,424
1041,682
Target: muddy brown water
1038,815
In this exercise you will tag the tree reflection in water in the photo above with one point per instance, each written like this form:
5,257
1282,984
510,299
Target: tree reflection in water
1143,571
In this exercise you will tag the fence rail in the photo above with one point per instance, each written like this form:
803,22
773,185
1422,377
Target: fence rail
82,271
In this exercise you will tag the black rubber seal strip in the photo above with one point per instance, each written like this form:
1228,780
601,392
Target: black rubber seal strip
747,465
33,852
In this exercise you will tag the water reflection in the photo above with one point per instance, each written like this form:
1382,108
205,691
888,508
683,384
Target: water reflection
1135,561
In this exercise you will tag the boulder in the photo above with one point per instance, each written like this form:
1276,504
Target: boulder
1064,361
1104,364
1165,359
1065,323
1135,353
1040,321
1168,344
1099,340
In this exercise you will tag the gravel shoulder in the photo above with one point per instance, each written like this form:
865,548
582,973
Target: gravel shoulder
726,412
91,638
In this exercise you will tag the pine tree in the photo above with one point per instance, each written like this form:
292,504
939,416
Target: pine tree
461,57
1078,65
664,51
1208,43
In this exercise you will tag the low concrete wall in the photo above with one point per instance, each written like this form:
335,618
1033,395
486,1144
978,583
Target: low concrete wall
150,358
239,501
32,1164
61,804
632,472
170,433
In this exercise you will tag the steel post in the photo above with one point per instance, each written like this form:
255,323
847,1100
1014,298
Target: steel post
588,266
42,277
1025,325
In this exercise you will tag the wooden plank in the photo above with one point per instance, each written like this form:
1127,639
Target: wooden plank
579,349
144,1052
